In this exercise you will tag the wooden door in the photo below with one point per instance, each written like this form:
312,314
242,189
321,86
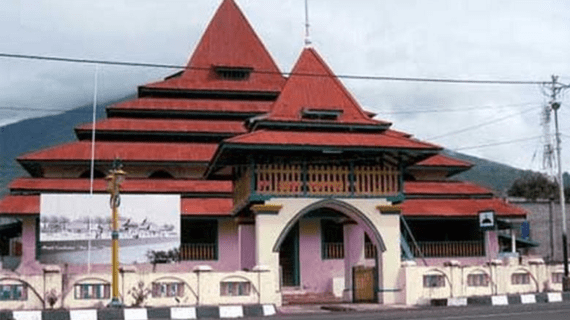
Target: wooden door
289,258
363,284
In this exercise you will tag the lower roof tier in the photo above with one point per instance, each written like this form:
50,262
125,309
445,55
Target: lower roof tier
181,186
29,205
459,208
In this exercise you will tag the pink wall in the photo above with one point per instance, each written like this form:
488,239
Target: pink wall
28,262
247,246
316,274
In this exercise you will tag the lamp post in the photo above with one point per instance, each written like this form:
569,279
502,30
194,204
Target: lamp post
115,177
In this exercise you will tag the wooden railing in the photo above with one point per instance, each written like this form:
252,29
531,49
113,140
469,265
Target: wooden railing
296,180
435,249
197,251
369,252
333,250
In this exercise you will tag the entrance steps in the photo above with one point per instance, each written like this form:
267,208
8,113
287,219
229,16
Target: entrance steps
294,295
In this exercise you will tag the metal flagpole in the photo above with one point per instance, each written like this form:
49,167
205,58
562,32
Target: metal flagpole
92,169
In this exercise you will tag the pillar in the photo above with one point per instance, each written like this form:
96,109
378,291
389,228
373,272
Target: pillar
353,256
246,233
491,244
28,263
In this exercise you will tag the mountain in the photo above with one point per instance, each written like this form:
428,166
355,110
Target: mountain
38,133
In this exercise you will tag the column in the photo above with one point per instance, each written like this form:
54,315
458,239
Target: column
246,233
353,256
28,263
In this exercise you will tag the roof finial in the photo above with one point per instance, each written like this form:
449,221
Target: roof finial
307,37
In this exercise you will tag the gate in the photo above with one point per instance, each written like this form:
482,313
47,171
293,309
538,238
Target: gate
363,282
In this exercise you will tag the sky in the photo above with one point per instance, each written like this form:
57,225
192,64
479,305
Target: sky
458,39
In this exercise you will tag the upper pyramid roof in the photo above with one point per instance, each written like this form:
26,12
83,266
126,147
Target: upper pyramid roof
314,92
229,42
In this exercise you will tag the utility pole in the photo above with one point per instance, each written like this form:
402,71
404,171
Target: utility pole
555,105
115,178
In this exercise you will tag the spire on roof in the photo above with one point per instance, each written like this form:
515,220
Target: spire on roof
314,92
228,47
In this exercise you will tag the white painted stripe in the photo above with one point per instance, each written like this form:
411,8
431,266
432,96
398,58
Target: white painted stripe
554,297
83,314
457,302
268,310
183,313
27,315
231,312
136,314
528,298
499,301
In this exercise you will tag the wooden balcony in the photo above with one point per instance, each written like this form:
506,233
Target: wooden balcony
333,250
198,251
441,249
317,180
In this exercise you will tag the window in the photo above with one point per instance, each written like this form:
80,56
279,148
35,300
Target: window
92,291
167,289
369,249
233,73
321,114
332,236
520,278
557,277
199,240
478,280
160,174
434,281
235,288
13,292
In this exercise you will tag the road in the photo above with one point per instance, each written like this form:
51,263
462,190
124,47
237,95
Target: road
551,311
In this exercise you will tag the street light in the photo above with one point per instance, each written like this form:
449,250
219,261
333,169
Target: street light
115,177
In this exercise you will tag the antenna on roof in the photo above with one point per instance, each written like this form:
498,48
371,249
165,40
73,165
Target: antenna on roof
307,37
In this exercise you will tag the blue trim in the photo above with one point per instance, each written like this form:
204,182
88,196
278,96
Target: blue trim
399,198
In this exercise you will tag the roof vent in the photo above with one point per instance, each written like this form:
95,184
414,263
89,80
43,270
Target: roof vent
321,114
233,73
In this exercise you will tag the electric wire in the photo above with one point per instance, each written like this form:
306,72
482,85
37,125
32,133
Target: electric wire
479,125
345,76
492,144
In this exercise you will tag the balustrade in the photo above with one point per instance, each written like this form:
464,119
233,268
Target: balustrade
436,249
322,180
197,251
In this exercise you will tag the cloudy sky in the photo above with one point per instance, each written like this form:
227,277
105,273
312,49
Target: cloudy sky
499,40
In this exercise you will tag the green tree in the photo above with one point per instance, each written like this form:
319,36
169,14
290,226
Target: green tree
533,185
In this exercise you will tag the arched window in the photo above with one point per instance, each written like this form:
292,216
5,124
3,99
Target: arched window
96,174
160,174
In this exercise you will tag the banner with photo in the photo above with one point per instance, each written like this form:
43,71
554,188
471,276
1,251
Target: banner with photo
76,228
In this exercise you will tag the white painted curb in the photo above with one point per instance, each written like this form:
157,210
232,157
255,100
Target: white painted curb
231,312
499,301
528,298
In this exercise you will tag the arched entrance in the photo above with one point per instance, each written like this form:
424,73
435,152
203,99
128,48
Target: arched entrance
322,244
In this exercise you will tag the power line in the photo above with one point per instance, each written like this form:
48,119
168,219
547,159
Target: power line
352,77
496,143
470,108
477,126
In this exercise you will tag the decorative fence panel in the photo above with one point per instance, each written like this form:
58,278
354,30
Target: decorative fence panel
197,251
434,249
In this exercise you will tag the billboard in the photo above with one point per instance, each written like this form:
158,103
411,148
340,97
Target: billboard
76,228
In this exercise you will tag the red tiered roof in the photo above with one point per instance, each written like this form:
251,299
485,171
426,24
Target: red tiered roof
313,86
194,105
20,205
229,41
460,208
166,125
128,186
206,207
332,139
440,160
426,188
126,151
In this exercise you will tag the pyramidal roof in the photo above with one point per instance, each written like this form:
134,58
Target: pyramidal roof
313,88
230,42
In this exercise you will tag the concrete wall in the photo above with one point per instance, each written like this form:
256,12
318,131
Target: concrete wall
199,288
456,279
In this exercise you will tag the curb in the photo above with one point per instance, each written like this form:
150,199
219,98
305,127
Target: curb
174,313
502,300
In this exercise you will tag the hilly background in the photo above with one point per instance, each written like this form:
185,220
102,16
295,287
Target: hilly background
38,133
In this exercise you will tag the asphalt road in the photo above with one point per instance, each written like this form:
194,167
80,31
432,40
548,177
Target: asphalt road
547,311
